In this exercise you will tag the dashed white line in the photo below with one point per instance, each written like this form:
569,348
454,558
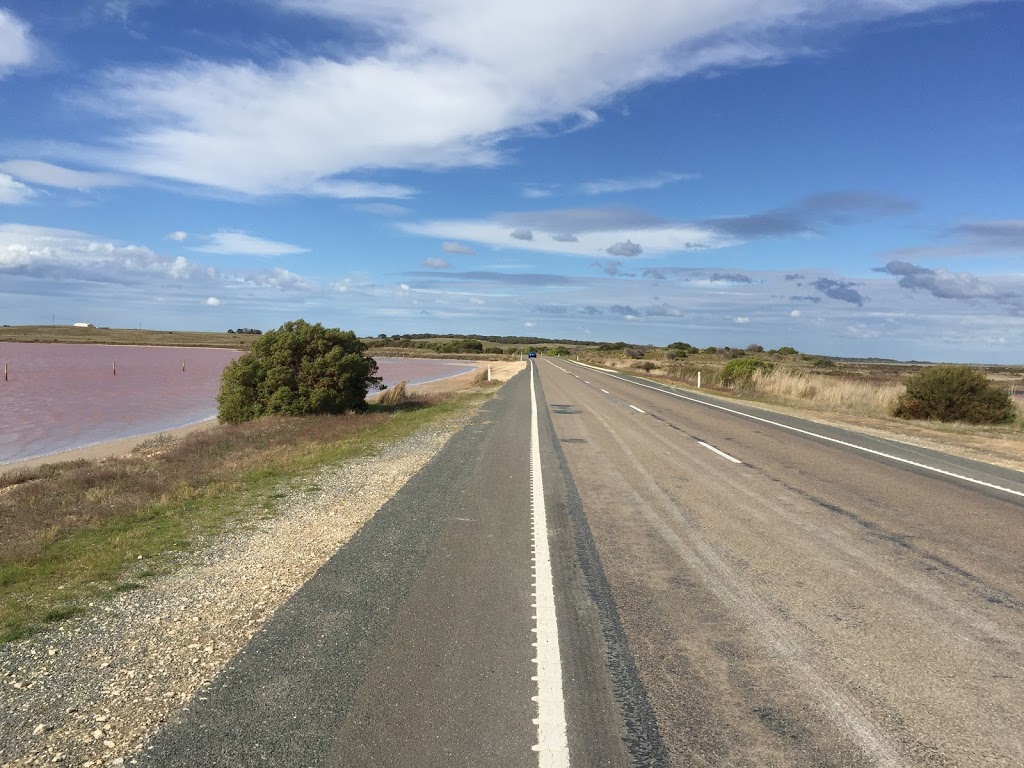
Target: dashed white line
552,745
635,408
585,381
720,453
606,391
817,435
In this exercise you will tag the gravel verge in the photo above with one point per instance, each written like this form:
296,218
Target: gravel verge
93,690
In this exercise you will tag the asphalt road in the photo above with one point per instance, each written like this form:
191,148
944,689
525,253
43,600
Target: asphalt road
730,589
413,645
793,600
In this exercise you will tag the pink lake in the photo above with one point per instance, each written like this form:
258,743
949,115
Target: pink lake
58,397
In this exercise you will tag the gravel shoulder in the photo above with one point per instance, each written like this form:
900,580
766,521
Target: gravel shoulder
92,690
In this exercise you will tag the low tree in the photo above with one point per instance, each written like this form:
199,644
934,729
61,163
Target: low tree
295,370
954,393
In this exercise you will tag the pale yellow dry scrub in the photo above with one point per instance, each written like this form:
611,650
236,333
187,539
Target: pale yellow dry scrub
827,392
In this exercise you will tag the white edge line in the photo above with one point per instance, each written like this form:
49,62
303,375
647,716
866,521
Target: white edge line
733,459
552,745
872,451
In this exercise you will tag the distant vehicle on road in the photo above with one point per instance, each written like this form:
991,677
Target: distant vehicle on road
532,354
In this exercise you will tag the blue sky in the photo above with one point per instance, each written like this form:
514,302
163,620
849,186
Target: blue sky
844,178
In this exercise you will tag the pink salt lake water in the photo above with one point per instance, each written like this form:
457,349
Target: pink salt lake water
63,396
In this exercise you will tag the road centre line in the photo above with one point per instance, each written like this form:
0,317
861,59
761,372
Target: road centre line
808,433
733,459
606,391
635,408
552,745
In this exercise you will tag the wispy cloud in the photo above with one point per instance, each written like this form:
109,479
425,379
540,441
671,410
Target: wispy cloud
228,242
442,85
460,248
383,209
657,181
434,263
17,47
49,175
179,236
839,289
810,215
13,192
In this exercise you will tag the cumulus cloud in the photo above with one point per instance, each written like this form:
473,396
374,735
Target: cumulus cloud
565,238
178,236
436,264
521,234
17,48
49,175
795,313
213,301
838,289
730,277
241,244
452,247
625,310
663,310
944,284
626,249
741,320
13,192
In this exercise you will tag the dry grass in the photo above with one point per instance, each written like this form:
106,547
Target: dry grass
393,395
74,531
828,393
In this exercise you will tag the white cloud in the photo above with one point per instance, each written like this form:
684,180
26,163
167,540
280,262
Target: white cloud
383,209
445,82
606,186
17,48
213,301
178,236
537,193
659,238
795,313
451,247
741,320
49,175
344,189
13,192
436,264
240,244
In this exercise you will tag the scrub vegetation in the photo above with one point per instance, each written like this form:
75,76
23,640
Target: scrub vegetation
80,531
296,370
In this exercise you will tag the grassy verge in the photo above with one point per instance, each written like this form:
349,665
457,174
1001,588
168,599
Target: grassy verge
79,532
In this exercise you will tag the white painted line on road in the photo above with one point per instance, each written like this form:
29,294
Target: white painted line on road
635,408
826,438
585,381
606,391
552,745
723,454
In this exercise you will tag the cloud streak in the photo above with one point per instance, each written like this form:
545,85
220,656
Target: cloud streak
227,242
439,84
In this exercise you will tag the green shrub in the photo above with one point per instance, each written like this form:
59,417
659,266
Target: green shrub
740,370
786,351
954,393
296,370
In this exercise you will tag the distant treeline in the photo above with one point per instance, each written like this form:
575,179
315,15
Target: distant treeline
477,337
249,331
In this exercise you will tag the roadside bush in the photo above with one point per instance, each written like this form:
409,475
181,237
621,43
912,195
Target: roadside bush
740,370
296,370
954,393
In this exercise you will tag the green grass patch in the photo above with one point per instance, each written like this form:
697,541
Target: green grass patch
85,531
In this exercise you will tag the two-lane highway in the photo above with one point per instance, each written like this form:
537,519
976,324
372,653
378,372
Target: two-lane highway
792,600
596,572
